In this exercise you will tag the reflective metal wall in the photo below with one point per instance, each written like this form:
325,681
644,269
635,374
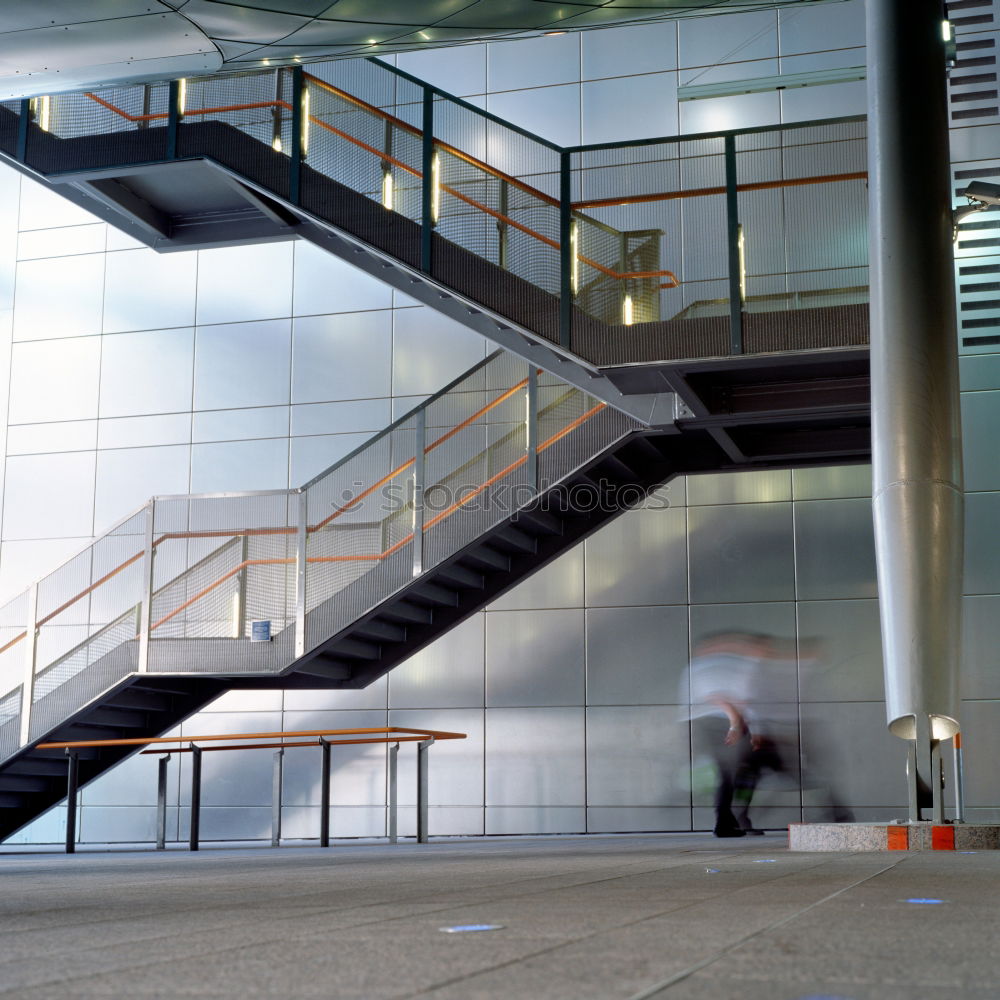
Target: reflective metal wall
133,373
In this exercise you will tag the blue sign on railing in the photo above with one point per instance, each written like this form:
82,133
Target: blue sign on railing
260,631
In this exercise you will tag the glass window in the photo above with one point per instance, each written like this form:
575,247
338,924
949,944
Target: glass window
145,290
146,372
59,297
342,357
244,364
632,107
235,425
128,477
61,242
326,284
54,380
429,350
240,465
125,432
49,496
30,439
534,62
241,283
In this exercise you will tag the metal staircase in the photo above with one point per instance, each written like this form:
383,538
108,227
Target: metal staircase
619,373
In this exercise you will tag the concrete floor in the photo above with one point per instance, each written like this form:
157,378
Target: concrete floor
672,916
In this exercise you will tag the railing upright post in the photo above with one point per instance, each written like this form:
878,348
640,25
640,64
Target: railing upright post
565,252
295,160
195,796
301,537
161,803
72,786
144,124
531,428
146,607
324,794
422,799
733,244
173,117
30,655
23,120
276,778
419,482
242,578
502,231
392,825
427,220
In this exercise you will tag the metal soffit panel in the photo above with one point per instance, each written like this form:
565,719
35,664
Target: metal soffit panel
52,46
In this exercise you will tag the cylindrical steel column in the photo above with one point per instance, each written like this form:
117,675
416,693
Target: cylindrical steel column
916,430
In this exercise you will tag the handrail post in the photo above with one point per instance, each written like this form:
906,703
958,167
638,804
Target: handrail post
72,786
531,428
419,482
392,827
295,160
161,803
502,229
146,607
30,655
242,582
427,220
23,120
276,778
324,794
173,117
301,538
422,801
565,252
195,796
733,244
959,780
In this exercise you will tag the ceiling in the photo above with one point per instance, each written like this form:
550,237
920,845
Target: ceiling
51,46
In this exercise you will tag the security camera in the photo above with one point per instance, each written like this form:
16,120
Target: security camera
988,195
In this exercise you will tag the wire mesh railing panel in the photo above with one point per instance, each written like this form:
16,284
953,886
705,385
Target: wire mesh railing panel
81,674
10,723
242,121
375,159
107,128
13,668
495,202
9,116
477,474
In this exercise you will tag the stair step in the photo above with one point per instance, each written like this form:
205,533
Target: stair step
467,579
488,557
355,649
141,700
380,630
540,522
36,766
25,783
119,718
433,593
10,800
325,667
514,538
404,611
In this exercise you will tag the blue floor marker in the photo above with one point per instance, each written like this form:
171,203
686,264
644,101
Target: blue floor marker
924,902
463,928
765,861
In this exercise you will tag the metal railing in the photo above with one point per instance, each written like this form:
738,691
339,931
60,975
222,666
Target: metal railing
166,746
617,251
177,586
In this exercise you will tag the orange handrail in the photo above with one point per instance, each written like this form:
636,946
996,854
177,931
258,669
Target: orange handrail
138,741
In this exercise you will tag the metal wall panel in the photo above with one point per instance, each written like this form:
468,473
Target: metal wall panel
981,750
373,696
835,549
534,757
639,558
534,658
131,783
455,767
764,486
511,820
236,284
557,585
54,380
848,745
117,824
449,673
430,350
849,666
35,491
832,483
302,822
636,656
358,772
246,701
980,673
741,553
980,371
617,110
822,27
256,374
145,290
147,372
444,821
227,823
706,41
74,312
638,48
980,419
982,540
324,283
637,819
637,757
534,62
